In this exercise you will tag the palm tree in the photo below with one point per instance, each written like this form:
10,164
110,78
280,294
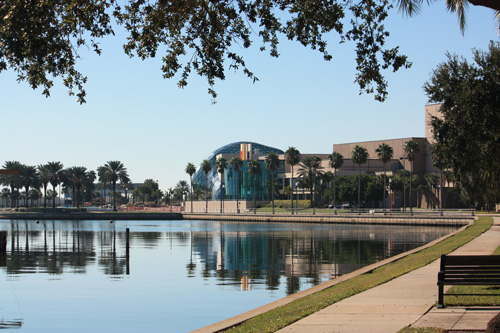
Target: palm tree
127,186
336,162
44,177
76,178
254,169
309,167
5,194
11,180
190,170
101,173
439,162
237,163
272,164
112,172
206,167
293,157
411,148
89,187
182,188
29,177
55,173
432,181
359,156
221,165
384,153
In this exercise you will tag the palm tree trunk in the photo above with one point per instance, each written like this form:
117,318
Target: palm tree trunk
26,196
237,193
384,188
335,192
292,186
53,196
191,179
411,174
114,196
313,194
272,188
206,194
359,187
78,197
254,196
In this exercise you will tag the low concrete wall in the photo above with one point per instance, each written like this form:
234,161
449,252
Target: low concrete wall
366,219
284,218
92,216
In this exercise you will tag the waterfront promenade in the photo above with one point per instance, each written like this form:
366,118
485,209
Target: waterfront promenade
405,301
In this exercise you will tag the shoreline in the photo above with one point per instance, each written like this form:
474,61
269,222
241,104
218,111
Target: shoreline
407,219
234,321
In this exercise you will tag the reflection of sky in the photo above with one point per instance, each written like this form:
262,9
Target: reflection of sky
158,295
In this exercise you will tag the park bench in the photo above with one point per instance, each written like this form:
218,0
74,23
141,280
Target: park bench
467,270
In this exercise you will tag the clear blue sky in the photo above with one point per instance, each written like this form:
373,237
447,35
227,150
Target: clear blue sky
155,129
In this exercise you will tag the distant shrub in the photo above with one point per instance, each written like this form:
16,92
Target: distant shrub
287,204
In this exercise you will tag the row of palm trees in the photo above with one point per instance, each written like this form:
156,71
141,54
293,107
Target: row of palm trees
76,178
309,170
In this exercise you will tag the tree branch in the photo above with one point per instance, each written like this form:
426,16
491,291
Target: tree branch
493,4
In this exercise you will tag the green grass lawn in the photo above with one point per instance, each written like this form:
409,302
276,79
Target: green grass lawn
285,315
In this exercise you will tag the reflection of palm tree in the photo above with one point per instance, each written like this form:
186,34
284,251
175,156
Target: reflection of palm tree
336,162
190,170
359,156
293,157
221,165
384,153
272,163
237,163
114,171
254,169
206,167
411,148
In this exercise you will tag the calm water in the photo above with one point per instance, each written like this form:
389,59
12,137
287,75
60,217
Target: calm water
61,276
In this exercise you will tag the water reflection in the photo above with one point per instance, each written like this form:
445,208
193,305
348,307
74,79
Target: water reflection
234,255
174,276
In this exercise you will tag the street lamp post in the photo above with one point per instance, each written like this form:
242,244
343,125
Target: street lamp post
390,194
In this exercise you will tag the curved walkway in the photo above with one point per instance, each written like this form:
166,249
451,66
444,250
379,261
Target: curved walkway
405,301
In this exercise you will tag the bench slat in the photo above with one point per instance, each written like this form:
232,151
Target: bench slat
468,270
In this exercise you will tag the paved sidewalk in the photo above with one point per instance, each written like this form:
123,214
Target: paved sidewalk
405,301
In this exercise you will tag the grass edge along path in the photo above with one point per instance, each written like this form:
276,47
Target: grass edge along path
285,315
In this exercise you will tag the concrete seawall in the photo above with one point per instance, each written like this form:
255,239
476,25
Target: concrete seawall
458,220
344,218
92,216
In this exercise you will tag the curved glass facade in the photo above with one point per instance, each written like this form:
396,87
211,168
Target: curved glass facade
237,182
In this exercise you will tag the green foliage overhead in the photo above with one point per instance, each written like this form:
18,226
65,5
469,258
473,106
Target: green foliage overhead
467,133
40,40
